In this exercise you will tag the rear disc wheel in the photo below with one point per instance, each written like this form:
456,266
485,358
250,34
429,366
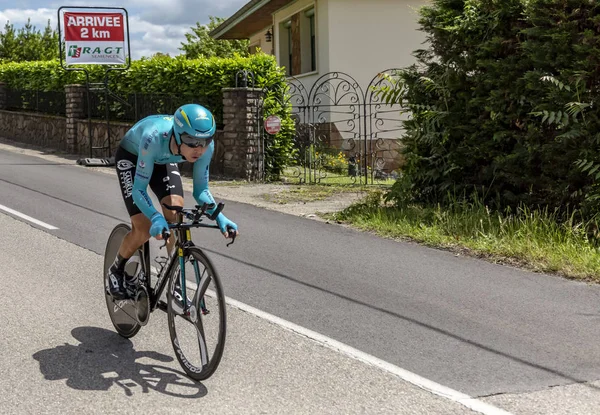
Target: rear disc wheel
123,313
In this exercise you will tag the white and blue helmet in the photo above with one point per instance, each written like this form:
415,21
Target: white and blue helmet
193,125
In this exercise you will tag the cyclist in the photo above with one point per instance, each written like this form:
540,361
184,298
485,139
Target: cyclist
148,155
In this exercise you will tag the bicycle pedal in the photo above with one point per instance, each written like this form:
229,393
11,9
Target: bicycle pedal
162,306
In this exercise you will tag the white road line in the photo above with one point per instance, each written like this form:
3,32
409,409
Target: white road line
28,218
412,378
423,383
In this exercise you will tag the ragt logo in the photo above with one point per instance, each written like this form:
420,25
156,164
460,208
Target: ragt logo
74,51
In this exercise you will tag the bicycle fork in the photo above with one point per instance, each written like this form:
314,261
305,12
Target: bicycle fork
182,276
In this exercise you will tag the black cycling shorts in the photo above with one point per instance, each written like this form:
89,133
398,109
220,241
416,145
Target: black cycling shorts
165,180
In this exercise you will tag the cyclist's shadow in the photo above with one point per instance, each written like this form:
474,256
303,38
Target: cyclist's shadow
104,359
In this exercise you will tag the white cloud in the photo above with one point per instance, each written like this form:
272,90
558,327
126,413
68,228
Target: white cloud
185,12
148,38
39,17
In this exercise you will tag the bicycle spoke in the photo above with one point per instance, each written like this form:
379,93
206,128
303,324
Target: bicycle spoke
202,343
199,350
201,280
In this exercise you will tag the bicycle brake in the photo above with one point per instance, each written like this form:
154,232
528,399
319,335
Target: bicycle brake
232,239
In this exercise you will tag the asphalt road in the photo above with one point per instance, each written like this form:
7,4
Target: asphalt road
60,354
503,335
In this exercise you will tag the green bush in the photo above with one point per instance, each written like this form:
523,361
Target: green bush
332,160
189,78
503,105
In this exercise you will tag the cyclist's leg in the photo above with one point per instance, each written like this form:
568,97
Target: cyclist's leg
139,234
125,164
166,185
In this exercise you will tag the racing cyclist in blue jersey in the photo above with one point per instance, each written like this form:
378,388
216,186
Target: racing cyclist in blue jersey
148,155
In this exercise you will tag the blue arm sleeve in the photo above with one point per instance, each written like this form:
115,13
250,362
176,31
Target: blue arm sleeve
143,172
201,192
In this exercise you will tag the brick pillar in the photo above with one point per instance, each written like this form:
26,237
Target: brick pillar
241,133
75,96
3,102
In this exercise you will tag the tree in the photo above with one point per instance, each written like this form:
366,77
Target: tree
28,43
8,43
49,43
200,44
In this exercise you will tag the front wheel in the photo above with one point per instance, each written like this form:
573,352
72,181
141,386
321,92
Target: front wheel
197,324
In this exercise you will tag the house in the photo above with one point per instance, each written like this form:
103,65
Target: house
333,50
313,37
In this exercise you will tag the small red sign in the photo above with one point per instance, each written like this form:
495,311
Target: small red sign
273,124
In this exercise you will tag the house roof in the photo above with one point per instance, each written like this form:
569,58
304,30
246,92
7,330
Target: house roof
251,18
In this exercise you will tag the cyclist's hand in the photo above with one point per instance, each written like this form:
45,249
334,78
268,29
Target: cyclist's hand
159,224
228,228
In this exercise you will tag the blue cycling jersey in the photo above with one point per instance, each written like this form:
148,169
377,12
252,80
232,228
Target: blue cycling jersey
149,139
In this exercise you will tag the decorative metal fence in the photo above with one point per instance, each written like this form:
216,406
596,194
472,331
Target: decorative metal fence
343,133
47,102
103,104
135,106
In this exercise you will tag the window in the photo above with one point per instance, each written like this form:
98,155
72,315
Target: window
313,47
298,43
289,46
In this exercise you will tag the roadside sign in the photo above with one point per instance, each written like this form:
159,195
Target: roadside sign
89,35
95,37
273,124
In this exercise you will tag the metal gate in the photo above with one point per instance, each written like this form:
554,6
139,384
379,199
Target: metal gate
343,134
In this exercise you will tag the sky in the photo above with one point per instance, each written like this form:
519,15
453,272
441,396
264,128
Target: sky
154,25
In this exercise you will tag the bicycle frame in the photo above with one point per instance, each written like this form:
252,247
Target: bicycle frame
183,241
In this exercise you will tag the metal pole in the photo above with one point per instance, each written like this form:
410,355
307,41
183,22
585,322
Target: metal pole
89,111
107,114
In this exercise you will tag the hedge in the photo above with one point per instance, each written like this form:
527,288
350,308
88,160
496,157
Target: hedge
504,105
201,79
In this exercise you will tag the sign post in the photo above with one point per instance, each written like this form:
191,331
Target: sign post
94,36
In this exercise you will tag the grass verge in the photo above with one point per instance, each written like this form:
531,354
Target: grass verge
534,240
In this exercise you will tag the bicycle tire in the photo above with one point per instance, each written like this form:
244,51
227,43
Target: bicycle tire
209,362
122,316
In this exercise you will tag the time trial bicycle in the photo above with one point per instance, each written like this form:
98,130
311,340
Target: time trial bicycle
194,300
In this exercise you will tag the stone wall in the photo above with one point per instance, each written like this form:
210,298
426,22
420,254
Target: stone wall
240,134
99,134
71,133
75,95
387,151
32,128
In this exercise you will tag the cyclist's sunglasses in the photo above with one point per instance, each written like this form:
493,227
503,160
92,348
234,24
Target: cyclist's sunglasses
194,142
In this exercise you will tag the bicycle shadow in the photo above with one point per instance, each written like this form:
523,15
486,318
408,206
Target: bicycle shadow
103,359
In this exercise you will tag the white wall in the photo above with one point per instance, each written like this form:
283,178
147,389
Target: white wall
322,36
358,37
259,39
369,36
